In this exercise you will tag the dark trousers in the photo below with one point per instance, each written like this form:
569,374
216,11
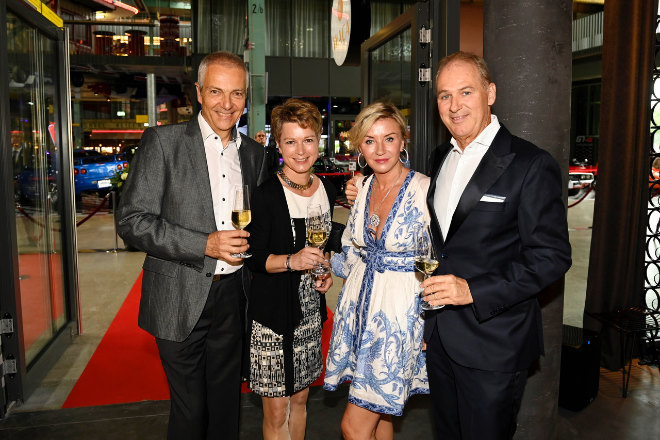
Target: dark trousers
204,371
471,404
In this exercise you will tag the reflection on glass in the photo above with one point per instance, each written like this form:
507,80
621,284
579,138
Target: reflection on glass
311,28
384,11
390,71
278,28
32,92
222,26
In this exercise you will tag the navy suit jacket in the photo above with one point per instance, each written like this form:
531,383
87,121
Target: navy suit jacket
507,251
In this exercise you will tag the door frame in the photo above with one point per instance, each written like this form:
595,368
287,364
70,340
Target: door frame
20,385
443,19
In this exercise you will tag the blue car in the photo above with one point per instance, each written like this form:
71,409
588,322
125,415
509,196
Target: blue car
92,171
27,184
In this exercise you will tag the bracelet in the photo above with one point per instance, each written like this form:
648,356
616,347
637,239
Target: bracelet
288,263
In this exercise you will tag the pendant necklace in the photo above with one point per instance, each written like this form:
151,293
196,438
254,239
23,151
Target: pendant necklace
374,219
293,184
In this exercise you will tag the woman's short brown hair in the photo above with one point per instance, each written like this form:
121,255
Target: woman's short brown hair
368,117
303,113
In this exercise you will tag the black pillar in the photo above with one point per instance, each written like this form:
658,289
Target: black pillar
527,44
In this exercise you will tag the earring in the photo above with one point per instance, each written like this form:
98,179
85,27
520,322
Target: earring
403,161
358,160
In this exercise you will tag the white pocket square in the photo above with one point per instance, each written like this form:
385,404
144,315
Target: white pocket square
492,198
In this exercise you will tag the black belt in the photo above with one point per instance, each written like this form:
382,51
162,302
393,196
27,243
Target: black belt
219,276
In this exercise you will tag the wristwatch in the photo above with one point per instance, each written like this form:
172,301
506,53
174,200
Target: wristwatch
288,263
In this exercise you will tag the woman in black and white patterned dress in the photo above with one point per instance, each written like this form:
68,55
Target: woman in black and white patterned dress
287,304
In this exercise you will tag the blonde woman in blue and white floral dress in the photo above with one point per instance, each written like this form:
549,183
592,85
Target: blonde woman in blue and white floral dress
377,329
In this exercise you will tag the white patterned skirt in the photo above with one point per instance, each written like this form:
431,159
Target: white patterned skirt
376,341
268,366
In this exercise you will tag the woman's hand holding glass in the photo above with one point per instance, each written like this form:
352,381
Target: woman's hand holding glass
318,231
307,258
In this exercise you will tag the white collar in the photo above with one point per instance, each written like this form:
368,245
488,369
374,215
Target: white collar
484,139
207,131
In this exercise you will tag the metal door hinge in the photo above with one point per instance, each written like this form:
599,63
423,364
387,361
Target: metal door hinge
6,326
424,35
424,74
9,367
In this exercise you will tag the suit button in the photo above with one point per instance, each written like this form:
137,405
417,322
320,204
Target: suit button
443,256
209,274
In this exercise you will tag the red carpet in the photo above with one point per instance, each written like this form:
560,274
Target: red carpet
42,298
126,367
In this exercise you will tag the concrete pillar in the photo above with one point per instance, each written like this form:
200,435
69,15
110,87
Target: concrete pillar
527,44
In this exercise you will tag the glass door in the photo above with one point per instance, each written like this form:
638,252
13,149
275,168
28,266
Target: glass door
32,64
397,66
391,59
38,264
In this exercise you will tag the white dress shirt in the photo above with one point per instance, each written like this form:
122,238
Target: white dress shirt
456,172
224,167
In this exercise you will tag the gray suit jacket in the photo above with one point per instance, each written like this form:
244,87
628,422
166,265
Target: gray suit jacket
166,210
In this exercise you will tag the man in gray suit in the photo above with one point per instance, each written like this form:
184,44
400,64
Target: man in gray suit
176,207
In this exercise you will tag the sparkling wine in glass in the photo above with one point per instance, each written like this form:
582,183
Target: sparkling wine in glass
317,234
425,260
241,214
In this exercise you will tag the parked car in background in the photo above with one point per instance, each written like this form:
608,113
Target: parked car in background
324,166
581,177
92,171
27,186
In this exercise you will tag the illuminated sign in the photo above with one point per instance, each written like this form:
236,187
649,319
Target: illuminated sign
340,29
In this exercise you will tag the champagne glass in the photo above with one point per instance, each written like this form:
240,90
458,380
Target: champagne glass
425,260
317,234
241,214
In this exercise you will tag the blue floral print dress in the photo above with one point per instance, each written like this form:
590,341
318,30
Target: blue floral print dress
377,329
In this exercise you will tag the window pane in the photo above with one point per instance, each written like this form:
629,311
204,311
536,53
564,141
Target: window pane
32,97
390,71
278,28
311,28
221,26
382,12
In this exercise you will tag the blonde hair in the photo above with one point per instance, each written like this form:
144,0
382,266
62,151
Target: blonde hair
369,115
303,113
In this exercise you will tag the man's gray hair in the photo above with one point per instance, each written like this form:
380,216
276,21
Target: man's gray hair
468,57
224,58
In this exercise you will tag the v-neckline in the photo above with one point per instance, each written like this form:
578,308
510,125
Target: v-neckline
395,206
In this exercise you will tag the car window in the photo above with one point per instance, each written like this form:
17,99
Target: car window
78,154
97,159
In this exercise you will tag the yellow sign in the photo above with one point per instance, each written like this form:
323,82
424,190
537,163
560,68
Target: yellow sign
47,12
142,119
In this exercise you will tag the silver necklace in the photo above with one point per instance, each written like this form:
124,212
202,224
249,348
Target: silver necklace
295,185
374,219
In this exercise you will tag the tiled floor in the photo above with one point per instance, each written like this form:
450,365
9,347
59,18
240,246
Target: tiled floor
106,277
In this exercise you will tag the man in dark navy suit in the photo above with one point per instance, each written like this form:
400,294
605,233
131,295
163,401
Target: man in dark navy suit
500,234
